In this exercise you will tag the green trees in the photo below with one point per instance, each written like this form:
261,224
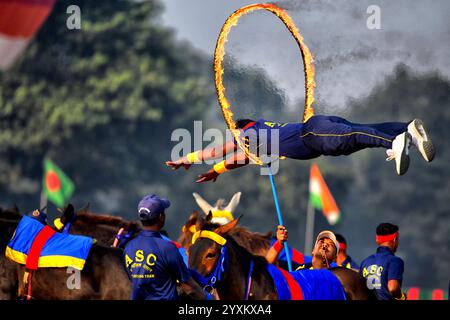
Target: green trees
101,101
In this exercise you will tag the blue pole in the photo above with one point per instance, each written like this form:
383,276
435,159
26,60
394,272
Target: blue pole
280,218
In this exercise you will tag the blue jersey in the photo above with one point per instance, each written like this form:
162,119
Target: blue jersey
290,143
154,265
381,267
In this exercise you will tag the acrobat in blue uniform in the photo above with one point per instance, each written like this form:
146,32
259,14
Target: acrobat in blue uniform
320,135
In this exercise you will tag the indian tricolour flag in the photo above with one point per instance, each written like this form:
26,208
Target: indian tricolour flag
320,196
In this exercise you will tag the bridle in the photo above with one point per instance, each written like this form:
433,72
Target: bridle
208,282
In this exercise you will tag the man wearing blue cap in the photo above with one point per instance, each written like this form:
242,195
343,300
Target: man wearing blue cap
154,264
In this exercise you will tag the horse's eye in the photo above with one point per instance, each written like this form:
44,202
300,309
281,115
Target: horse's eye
210,255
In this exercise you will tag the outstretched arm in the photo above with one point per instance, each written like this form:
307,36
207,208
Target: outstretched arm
203,155
237,160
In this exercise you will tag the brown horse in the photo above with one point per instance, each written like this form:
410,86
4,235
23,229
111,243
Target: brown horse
103,276
246,275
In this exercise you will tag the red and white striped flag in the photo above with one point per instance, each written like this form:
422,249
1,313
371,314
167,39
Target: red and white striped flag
19,21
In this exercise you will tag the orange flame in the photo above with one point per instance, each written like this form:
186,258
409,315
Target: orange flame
218,68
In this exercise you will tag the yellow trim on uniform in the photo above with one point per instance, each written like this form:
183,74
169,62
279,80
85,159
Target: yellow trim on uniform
344,134
193,157
222,214
220,167
54,261
58,224
209,235
302,267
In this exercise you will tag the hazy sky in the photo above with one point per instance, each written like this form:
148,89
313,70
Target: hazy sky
349,58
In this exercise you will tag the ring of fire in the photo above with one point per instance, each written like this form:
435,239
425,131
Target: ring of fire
218,68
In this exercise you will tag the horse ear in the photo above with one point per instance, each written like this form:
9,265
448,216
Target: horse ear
70,209
200,223
209,217
205,206
223,230
67,213
233,202
193,218
85,209
15,208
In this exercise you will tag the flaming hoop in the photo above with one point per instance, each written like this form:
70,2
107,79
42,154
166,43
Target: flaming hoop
218,68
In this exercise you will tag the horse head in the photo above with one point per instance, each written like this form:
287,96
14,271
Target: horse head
208,254
255,242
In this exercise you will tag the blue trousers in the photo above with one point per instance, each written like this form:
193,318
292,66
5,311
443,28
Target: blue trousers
335,136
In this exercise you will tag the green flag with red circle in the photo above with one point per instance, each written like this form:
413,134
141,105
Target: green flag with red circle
57,185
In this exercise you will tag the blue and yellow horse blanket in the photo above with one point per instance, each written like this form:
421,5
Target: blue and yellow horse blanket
306,284
60,250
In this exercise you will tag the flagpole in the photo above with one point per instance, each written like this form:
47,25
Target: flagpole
309,232
43,201
280,218
43,196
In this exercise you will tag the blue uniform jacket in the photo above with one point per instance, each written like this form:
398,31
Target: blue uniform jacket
381,267
154,265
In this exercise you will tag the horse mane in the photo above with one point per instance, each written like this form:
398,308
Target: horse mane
113,221
258,242
185,237
257,259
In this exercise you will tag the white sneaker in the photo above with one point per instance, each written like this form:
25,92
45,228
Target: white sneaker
400,152
421,140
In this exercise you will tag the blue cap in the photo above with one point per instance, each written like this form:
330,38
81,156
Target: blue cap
39,215
151,206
